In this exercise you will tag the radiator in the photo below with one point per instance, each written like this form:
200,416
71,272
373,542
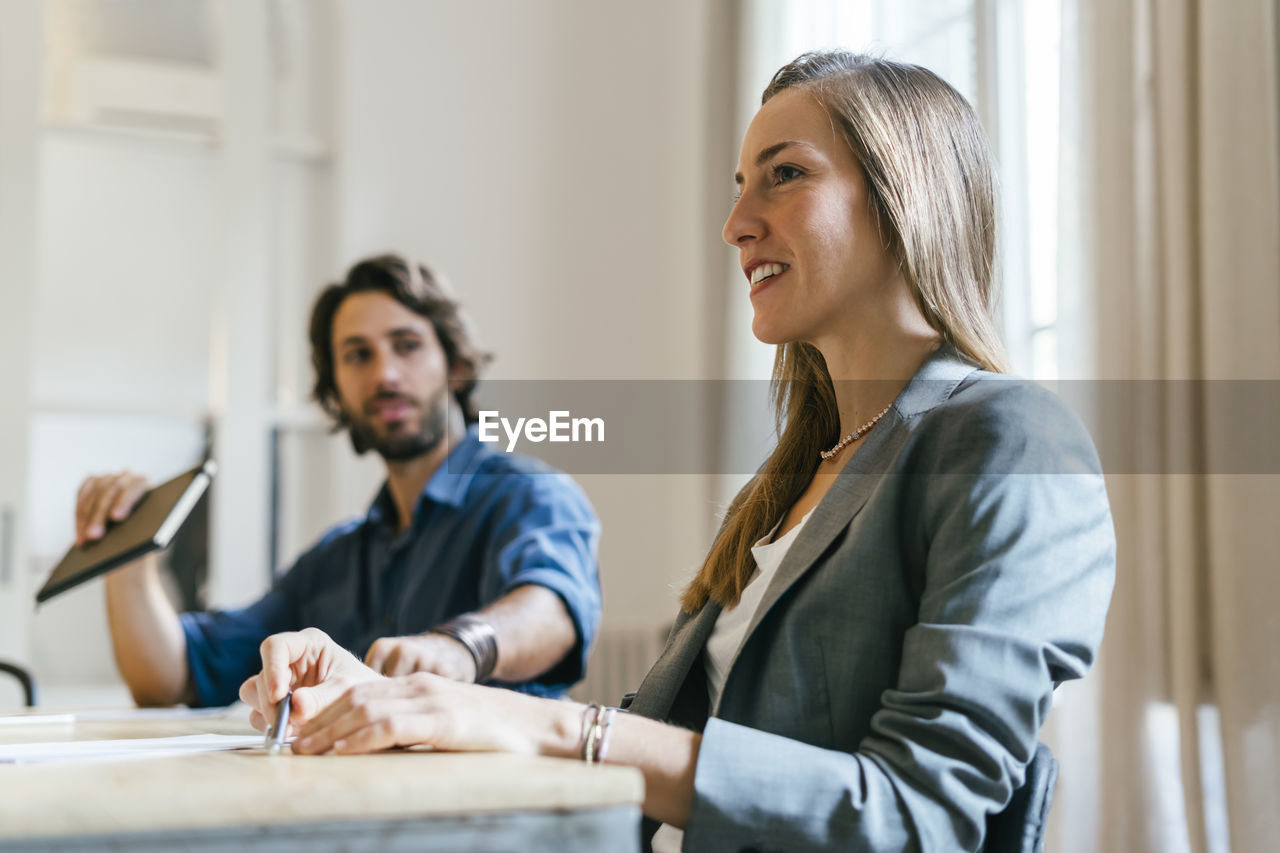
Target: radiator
618,663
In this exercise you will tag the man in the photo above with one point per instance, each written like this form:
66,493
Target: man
471,563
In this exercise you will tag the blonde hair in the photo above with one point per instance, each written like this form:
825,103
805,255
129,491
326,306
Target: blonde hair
932,185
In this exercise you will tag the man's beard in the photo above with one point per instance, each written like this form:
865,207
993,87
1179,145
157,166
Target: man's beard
400,448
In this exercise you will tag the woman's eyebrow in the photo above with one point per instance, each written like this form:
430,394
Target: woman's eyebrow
766,155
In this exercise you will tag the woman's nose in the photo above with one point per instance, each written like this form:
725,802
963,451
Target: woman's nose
743,223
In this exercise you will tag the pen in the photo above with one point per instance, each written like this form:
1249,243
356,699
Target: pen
275,734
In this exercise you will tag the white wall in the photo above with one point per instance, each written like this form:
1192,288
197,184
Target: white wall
548,158
126,273
19,165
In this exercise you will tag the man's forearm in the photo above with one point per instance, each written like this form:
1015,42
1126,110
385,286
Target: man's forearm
147,638
534,632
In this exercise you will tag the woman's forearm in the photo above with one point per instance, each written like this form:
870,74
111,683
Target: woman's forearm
666,755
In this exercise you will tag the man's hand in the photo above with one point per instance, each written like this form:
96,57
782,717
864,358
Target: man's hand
434,653
310,664
109,497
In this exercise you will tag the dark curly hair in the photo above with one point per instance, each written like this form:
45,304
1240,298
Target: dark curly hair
422,291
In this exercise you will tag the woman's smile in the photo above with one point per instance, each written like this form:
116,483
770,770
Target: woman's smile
762,274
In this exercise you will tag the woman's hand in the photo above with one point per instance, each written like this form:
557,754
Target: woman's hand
448,715
341,706
314,667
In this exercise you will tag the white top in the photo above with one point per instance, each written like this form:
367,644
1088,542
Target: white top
731,625
727,636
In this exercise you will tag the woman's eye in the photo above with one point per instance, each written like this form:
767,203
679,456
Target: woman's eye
355,356
784,173
405,347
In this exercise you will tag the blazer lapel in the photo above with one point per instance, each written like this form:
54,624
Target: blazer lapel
932,384
833,513
660,686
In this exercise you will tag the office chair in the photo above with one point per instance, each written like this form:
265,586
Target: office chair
1020,827
24,678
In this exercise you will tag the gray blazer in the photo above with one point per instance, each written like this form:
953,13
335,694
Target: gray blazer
891,686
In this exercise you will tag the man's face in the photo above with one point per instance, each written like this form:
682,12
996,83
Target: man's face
392,377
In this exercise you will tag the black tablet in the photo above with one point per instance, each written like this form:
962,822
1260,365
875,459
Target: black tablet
150,527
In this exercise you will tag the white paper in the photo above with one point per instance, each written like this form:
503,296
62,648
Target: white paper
237,710
38,720
112,715
86,750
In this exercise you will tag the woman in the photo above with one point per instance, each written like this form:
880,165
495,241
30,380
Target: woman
866,657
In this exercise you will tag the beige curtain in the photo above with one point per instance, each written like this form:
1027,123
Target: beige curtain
1170,249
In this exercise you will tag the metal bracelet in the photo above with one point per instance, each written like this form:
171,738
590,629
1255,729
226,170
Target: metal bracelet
604,734
478,637
596,721
592,739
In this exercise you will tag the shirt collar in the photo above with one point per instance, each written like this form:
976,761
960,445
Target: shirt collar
448,485
382,507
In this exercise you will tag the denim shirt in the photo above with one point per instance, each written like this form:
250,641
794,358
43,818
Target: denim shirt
486,523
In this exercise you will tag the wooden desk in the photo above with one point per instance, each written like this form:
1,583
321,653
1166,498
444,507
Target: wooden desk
394,801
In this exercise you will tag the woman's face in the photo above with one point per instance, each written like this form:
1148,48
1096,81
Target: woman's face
807,241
